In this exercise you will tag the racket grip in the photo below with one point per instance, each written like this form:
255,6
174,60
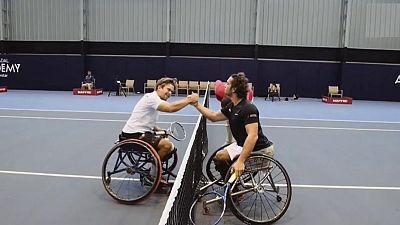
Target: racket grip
232,178
161,132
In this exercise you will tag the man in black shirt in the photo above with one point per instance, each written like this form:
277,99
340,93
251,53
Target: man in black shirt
244,121
88,81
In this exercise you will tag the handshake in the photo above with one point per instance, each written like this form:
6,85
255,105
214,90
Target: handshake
193,99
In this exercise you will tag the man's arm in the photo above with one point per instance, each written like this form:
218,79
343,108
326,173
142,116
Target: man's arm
178,105
248,146
209,114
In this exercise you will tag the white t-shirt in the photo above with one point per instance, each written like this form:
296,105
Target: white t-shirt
145,114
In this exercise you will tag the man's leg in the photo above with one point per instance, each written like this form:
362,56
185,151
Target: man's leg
165,146
222,162
226,156
270,151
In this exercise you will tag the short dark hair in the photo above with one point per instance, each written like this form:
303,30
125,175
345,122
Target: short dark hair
166,80
240,84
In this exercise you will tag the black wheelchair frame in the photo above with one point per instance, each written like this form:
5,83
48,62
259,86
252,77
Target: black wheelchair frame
132,171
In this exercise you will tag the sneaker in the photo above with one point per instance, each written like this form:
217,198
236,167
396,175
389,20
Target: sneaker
163,182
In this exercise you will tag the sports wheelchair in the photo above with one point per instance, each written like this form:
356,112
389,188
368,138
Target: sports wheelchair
132,169
261,195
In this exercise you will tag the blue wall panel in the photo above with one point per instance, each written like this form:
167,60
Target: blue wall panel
209,69
45,72
107,69
372,82
307,79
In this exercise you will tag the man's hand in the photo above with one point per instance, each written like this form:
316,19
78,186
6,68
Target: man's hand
238,168
193,98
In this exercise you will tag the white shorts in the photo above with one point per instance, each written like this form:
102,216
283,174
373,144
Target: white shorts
235,150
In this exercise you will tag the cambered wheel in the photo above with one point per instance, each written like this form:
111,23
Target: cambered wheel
211,172
265,197
131,171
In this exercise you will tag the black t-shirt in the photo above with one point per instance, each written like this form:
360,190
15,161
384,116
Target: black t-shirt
88,79
225,102
239,116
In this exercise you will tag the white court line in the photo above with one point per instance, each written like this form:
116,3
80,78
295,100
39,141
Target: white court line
77,119
196,115
345,187
293,185
48,174
60,110
98,112
332,120
335,128
216,124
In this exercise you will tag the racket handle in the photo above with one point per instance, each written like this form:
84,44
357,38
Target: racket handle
160,132
232,178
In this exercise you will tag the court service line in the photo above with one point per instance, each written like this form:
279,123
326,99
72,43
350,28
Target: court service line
335,128
98,112
217,124
331,120
345,187
48,174
77,119
293,185
196,115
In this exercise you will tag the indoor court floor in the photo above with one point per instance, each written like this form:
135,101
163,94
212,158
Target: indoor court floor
343,160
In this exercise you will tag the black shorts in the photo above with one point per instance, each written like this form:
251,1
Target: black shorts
148,137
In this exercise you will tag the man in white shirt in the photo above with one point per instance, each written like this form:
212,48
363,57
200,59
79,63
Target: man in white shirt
143,119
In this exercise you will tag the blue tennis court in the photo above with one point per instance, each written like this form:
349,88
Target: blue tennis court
342,160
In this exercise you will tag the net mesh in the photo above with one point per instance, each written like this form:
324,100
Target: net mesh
189,175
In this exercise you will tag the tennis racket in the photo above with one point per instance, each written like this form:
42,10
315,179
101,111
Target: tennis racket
175,130
212,204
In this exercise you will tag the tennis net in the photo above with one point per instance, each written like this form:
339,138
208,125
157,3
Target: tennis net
189,175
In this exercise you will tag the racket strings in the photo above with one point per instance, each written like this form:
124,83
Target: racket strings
177,130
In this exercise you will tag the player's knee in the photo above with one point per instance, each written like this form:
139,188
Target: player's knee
222,156
165,145
172,148
221,166
222,160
